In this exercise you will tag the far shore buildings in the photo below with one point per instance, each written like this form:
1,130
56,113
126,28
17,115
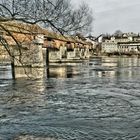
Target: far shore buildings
126,43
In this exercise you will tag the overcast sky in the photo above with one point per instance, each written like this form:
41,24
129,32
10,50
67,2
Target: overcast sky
112,15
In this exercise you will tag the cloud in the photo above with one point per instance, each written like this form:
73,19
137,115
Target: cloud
111,15
125,18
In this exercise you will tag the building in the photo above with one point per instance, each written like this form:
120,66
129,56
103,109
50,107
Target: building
128,43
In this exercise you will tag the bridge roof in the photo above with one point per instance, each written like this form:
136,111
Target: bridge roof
20,27
32,29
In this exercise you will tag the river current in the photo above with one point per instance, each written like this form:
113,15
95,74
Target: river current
98,99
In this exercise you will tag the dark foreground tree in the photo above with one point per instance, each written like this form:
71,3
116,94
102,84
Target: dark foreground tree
58,15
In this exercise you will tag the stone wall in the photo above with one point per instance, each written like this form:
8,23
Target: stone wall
4,56
31,56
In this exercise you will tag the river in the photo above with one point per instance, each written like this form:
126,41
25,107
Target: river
97,99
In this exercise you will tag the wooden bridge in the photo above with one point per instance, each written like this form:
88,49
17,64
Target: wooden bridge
32,46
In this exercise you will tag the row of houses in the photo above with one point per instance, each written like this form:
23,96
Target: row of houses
127,43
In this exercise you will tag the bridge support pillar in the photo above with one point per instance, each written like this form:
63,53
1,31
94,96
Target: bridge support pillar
31,56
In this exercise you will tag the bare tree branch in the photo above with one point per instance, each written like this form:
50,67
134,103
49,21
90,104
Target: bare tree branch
56,14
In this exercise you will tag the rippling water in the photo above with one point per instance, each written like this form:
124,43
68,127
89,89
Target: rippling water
94,100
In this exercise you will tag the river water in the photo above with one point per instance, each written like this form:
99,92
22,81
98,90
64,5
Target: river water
97,99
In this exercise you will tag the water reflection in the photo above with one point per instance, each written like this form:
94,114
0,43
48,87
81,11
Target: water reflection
101,67
27,72
5,71
59,71
117,67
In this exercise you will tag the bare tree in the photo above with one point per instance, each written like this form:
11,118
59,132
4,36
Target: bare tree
118,33
56,14
59,15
